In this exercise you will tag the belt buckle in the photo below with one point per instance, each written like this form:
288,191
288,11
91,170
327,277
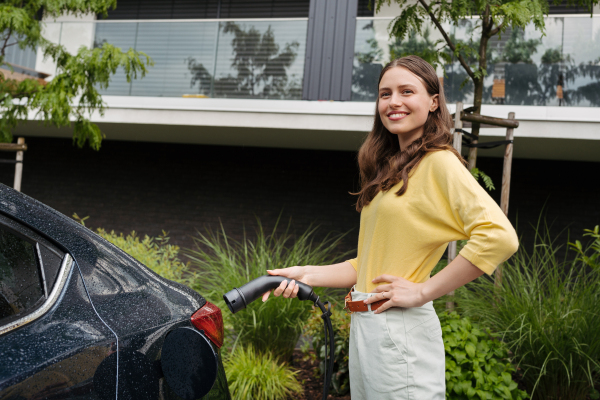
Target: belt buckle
348,296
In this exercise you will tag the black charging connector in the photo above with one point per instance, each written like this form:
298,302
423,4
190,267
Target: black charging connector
239,298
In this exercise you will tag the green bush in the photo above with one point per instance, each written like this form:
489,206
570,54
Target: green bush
259,376
592,260
155,253
477,365
340,320
548,312
223,263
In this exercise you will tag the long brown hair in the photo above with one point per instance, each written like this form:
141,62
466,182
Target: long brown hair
381,162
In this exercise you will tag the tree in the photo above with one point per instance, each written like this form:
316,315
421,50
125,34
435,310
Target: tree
72,94
493,17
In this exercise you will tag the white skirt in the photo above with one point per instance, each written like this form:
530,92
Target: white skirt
396,355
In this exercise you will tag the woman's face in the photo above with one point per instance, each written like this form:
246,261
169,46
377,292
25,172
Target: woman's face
404,104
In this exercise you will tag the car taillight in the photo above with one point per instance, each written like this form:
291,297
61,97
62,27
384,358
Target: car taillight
210,320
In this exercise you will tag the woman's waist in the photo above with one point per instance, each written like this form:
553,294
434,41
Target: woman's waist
359,296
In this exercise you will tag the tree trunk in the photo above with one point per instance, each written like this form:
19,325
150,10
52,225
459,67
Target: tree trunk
478,92
486,28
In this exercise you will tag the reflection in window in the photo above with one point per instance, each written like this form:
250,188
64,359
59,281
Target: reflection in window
560,69
20,283
253,59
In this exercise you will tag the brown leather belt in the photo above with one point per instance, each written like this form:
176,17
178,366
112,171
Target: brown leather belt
359,305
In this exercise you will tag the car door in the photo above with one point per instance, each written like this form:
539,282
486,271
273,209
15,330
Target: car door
52,343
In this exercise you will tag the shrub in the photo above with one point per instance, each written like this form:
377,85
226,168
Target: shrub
224,263
252,375
477,364
592,260
340,320
155,253
547,312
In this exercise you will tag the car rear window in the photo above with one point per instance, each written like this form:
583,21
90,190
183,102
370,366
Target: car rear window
21,285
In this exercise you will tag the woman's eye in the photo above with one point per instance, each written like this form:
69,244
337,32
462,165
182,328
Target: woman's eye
383,94
407,91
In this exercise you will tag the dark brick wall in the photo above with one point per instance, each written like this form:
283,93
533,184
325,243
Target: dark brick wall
148,187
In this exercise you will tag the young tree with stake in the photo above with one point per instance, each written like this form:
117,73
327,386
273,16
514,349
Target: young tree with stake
493,17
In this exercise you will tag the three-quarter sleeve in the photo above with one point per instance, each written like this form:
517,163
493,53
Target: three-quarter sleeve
491,237
354,263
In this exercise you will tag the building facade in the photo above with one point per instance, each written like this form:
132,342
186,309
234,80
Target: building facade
271,96
303,74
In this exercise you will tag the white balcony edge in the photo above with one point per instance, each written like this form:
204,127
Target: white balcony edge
536,121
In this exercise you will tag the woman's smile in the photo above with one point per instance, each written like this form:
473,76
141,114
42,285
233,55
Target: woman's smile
397,115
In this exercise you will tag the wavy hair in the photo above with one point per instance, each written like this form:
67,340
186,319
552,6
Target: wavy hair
381,162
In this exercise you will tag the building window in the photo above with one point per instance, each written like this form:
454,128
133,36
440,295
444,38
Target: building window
563,8
208,9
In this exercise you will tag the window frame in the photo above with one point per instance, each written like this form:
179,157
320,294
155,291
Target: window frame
50,294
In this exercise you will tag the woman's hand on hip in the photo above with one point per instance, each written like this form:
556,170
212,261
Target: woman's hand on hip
288,289
399,292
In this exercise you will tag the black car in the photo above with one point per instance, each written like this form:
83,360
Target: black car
80,319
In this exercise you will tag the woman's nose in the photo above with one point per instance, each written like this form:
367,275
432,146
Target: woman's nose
396,100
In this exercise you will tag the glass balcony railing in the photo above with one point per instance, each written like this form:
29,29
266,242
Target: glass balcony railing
524,68
261,59
264,59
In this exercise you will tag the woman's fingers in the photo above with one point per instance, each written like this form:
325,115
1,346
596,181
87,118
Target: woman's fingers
279,289
386,278
266,296
382,288
289,289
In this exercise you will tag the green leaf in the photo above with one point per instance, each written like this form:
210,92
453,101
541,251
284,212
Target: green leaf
470,349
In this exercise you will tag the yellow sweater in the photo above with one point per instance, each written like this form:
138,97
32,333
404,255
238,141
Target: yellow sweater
406,236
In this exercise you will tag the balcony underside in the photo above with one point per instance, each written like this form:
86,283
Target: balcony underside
544,132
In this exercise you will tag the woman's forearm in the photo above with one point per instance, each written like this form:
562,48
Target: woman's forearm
341,275
456,274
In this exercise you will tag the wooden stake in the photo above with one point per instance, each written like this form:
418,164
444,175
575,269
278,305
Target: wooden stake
451,257
19,166
458,146
505,123
508,152
458,125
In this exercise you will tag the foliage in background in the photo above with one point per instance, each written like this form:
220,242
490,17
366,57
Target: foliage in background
340,320
252,375
72,94
548,313
477,363
487,181
493,17
592,260
223,263
155,253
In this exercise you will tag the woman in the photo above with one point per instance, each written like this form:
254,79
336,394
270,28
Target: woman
416,196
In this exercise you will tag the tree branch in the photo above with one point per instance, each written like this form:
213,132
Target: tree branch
498,28
461,59
5,41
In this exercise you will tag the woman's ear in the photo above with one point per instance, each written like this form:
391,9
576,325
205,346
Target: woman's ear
434,102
